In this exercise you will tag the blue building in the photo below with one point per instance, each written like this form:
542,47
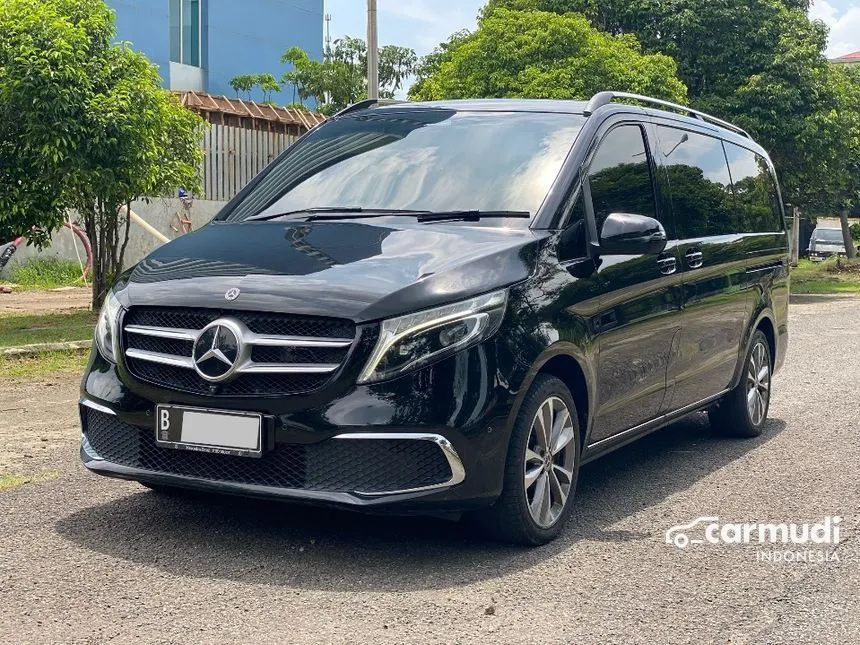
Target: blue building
201,44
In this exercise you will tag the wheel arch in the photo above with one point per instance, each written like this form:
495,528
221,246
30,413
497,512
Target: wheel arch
766,322
571,366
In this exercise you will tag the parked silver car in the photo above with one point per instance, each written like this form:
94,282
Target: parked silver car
826,242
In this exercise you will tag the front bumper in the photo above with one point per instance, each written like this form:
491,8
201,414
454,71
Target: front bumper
820,256
416,444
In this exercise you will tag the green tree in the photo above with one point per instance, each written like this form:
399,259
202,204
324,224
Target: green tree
266,82
46,62
758,63
109,133
243,83
341,79
542,55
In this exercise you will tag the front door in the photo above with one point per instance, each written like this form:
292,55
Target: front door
640,295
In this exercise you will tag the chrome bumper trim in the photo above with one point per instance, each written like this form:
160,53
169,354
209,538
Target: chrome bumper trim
458,472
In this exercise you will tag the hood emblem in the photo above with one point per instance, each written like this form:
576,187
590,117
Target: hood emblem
216,351
232,294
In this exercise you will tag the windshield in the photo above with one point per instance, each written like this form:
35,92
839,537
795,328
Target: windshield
828,235
419,159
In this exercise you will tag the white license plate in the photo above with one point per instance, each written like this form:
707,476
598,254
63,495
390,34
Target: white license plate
213,431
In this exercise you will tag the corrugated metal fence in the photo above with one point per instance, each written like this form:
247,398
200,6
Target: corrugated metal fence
235,155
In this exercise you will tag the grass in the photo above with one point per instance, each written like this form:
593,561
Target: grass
12,481
47,364
830,276
28,329
46,273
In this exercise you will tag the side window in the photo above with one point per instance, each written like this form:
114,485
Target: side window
620,175
699,183
758,208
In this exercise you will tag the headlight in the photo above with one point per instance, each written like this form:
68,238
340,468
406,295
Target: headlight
415,340
106,327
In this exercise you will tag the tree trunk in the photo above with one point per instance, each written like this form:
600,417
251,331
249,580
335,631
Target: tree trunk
850,249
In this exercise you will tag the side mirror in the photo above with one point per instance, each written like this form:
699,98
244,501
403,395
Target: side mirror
628,234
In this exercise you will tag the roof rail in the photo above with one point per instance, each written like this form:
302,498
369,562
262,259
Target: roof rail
605,98
366,103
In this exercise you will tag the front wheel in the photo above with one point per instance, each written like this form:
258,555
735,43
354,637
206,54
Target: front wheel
541,469
743,411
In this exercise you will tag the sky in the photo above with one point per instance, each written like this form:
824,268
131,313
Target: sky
422,24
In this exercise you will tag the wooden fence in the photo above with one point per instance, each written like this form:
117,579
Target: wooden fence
234,156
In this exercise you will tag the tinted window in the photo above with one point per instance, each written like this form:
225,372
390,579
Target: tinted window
433,159
699,183
620,175
757,199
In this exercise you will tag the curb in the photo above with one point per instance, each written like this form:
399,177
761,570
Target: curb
36,350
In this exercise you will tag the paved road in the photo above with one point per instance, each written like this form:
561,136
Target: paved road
88,560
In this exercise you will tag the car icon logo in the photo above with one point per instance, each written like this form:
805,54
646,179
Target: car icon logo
677,535
232,294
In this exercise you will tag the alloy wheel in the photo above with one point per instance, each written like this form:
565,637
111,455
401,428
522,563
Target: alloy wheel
758,384
549,463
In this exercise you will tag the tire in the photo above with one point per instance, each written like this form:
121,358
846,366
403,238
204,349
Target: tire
741,413
518,516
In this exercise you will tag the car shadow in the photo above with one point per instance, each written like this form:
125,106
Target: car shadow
311,548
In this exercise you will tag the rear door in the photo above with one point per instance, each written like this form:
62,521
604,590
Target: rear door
640,295
713,263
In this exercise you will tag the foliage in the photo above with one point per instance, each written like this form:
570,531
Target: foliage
91,127
542,55
46,62
46,273
29,329
266,82
341,79
47,365
834,275
243,83
759,64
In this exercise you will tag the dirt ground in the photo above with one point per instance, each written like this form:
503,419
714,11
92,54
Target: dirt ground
38,421
35,302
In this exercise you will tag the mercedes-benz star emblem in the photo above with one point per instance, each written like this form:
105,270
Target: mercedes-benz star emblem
216,351
232,294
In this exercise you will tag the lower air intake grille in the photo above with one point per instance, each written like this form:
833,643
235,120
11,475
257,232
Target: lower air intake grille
335,465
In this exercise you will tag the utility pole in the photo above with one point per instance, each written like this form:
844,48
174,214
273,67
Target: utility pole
328,36
372,51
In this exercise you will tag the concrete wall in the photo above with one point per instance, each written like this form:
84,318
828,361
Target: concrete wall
160,213
238,37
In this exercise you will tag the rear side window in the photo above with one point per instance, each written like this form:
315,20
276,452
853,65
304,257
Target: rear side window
620,175
758,208
699,183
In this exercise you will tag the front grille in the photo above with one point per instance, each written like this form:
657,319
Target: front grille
334,465
298,354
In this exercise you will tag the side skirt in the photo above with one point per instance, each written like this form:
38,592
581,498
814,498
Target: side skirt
605,446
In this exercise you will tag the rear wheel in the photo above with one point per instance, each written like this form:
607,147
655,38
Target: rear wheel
541,468
743,411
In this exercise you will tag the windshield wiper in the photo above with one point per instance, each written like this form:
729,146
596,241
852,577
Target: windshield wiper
334,212
469,215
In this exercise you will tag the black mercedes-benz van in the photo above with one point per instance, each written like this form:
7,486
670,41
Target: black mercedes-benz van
450,307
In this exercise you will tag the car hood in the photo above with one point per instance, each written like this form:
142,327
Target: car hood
361,270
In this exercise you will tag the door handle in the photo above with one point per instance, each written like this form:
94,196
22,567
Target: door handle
694,258
667,264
